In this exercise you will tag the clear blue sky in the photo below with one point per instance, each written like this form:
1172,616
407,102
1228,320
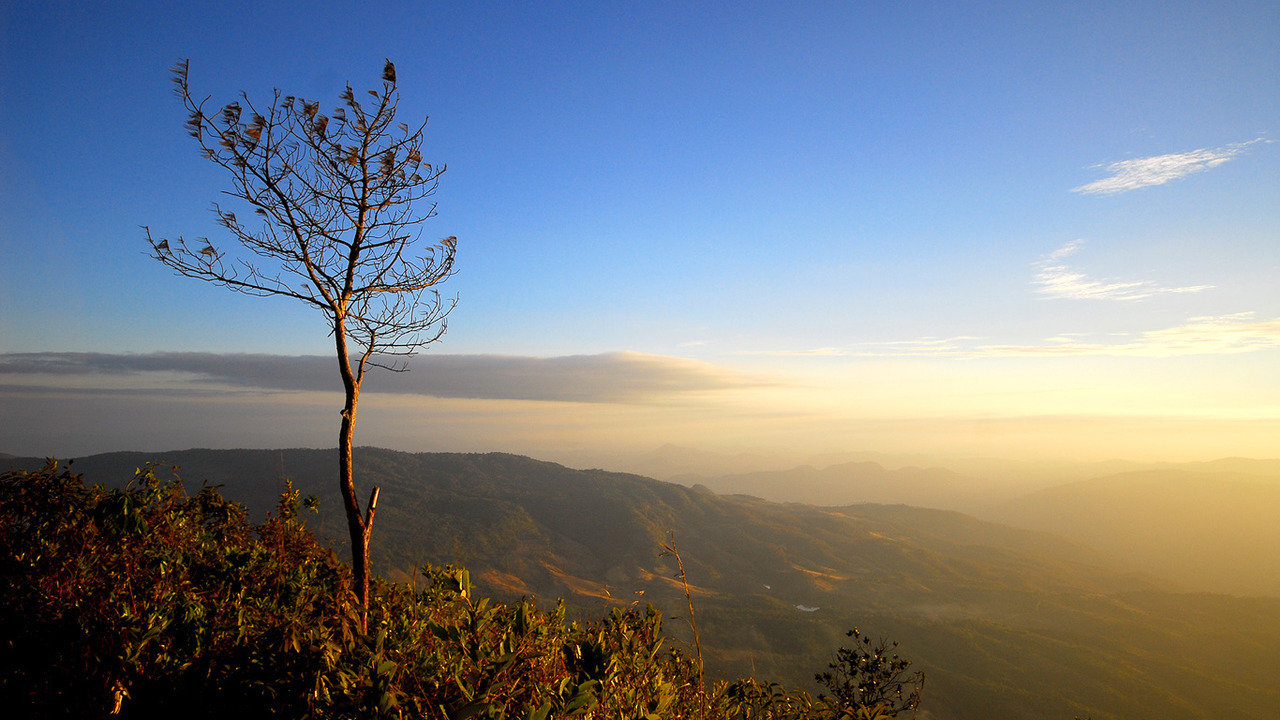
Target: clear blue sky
809,219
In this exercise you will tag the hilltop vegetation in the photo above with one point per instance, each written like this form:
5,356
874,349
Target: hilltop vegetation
147,602
1006,623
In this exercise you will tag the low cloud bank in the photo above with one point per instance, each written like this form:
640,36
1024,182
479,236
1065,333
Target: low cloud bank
612,377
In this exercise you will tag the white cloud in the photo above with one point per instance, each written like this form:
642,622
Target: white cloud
812,352
1211,335
890,348
1138,173
1215,335
1066,250
1059,280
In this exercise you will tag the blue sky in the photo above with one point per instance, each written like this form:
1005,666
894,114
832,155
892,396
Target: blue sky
766,224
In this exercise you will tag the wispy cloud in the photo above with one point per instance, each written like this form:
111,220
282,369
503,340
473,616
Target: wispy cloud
1056,279
1210,335
811,352
929,346
612,377
1138,173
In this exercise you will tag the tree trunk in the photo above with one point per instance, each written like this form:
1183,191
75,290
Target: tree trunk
359,526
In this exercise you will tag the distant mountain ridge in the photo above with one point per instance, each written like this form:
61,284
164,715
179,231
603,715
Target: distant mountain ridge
1004,477
1007,623
849,483
1208,526
1215,531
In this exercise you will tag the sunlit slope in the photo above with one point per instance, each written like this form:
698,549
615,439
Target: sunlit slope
1008,623
1214,531
495,512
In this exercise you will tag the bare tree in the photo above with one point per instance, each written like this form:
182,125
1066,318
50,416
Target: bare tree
340,205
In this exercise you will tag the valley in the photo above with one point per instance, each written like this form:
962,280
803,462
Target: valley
1006,622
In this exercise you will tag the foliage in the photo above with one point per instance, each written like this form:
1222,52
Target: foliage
871,675
338,202
146,601
867,682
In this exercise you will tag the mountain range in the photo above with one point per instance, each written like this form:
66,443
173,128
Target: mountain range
1006,622
1206,530
852,482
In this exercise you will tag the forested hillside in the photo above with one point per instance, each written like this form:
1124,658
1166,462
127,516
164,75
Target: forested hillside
1006,623
148,602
